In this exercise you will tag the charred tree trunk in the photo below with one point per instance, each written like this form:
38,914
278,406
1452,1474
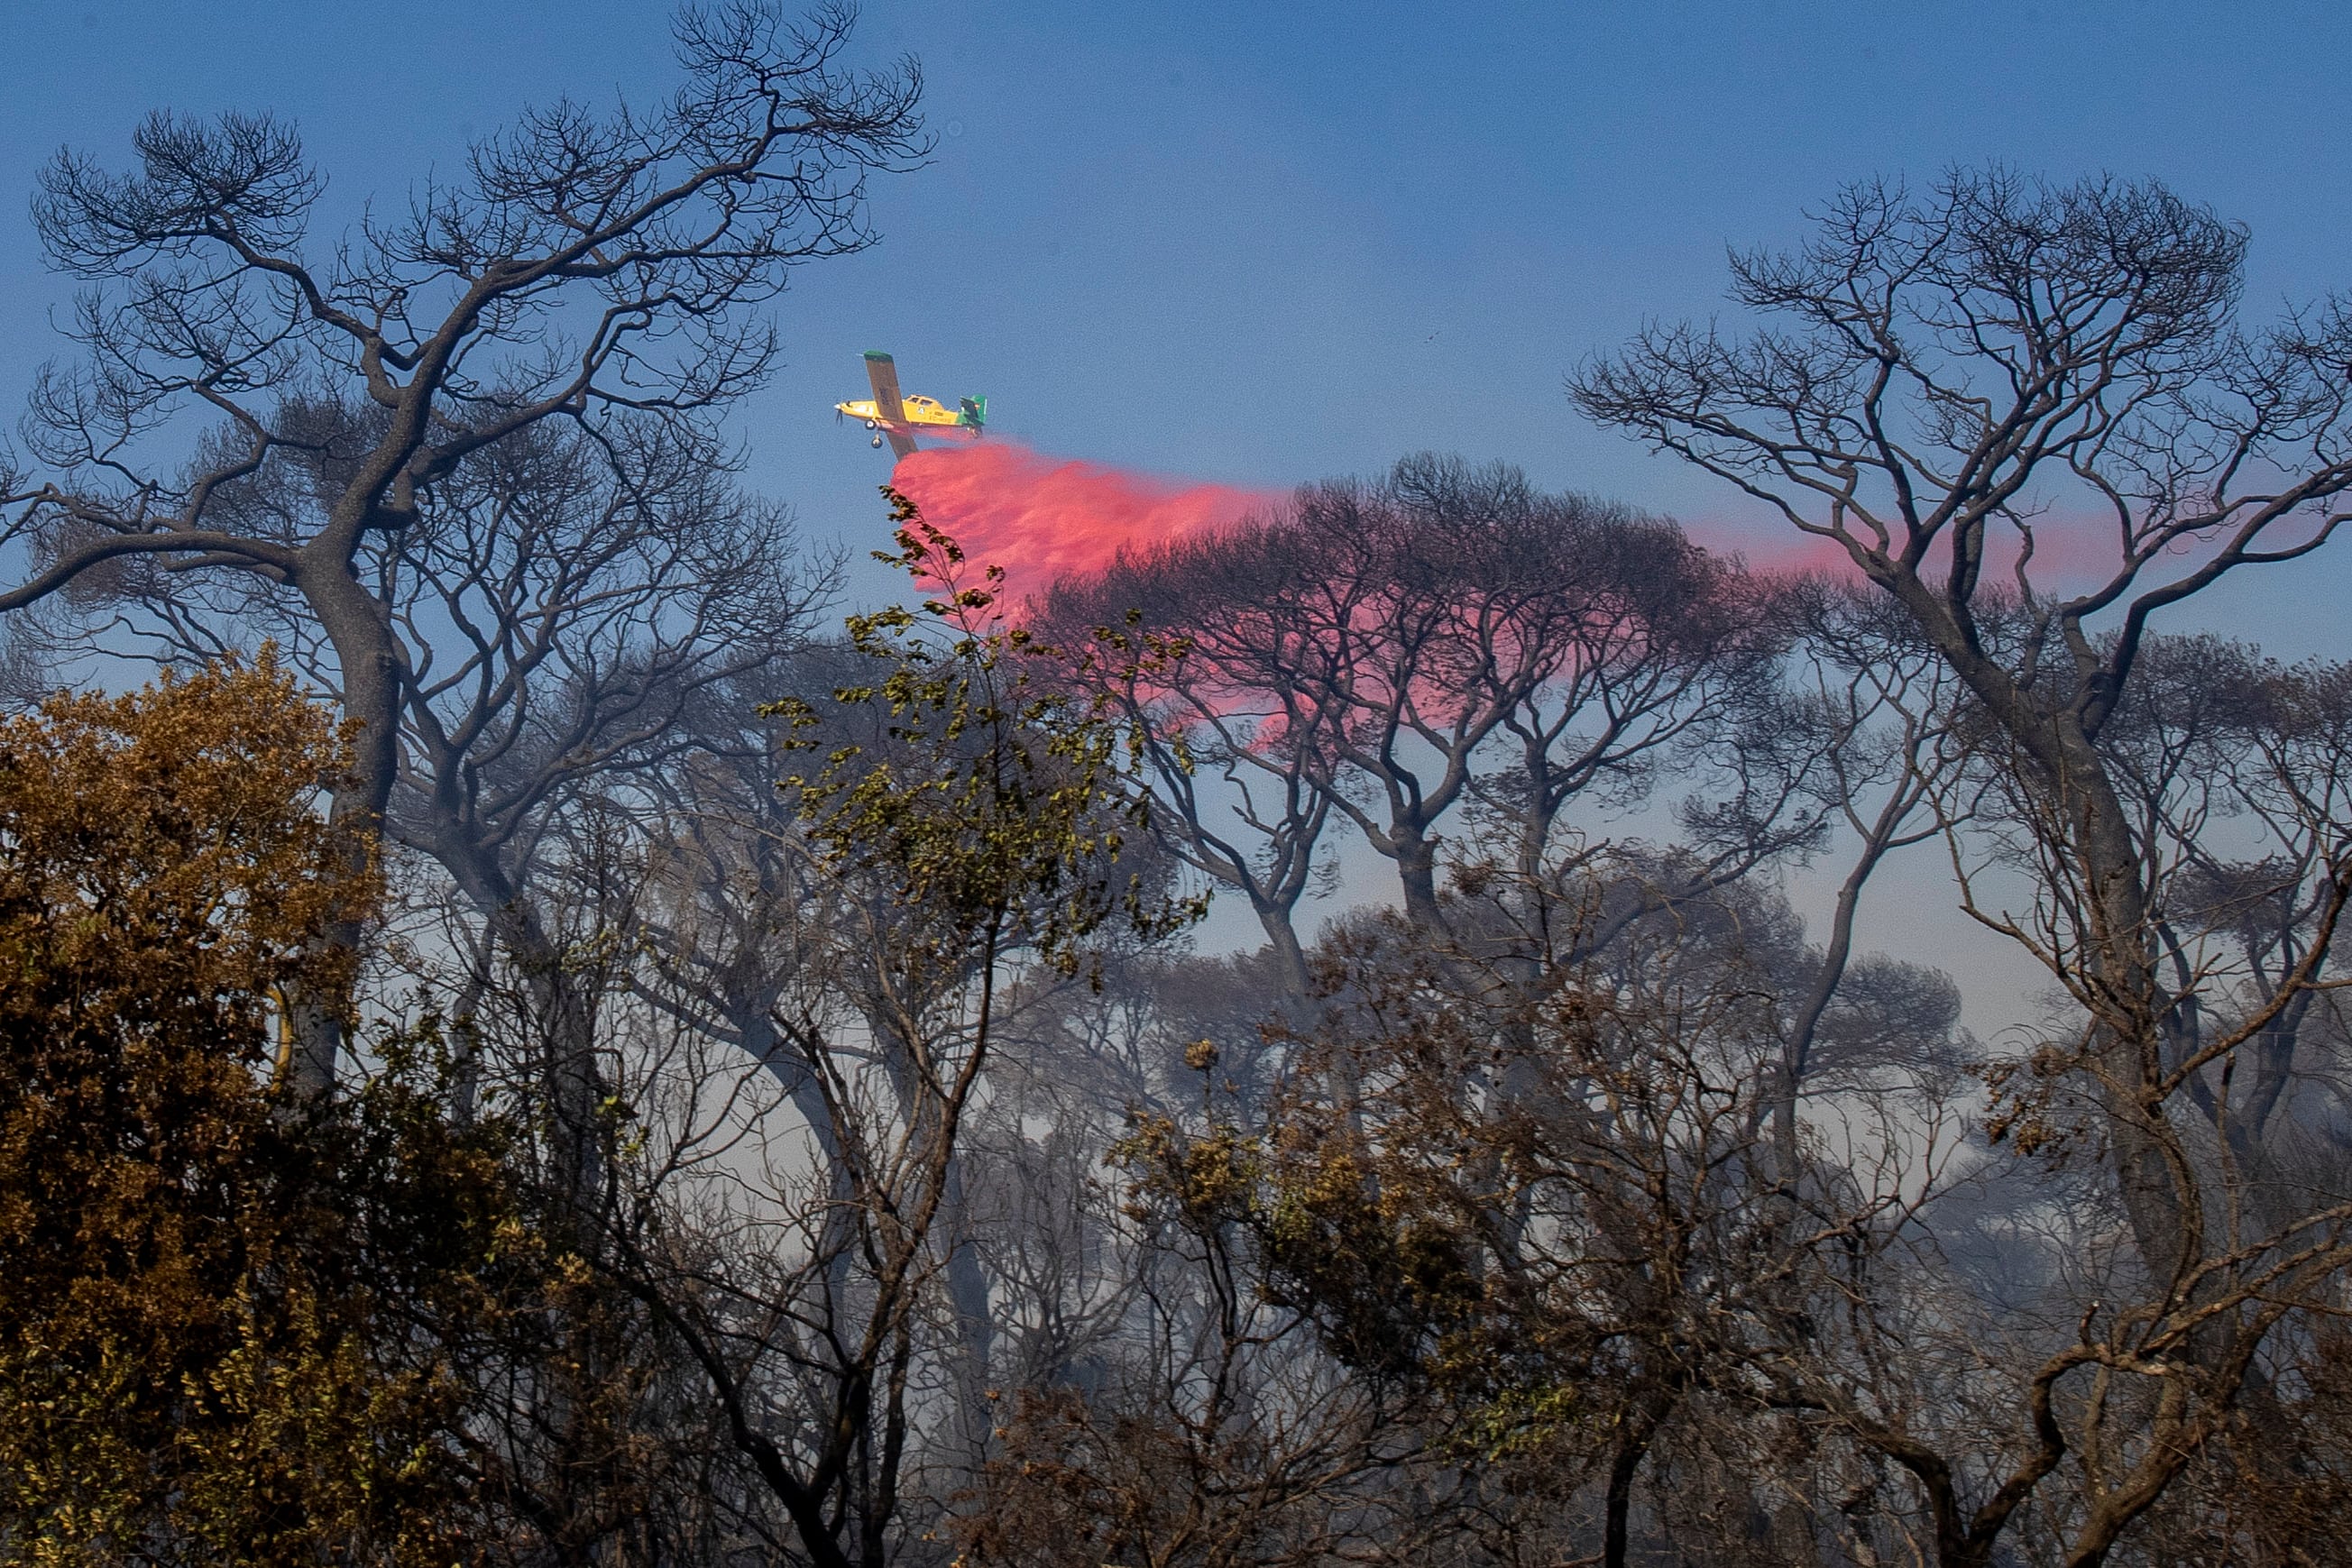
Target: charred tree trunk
371,666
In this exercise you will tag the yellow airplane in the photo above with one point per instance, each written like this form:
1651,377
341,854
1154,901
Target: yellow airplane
898,420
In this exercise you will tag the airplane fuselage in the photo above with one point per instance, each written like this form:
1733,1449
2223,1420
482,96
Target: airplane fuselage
920,415
896,418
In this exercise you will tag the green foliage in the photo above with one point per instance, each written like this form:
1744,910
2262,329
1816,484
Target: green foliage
1388,1282
209,1342
999,811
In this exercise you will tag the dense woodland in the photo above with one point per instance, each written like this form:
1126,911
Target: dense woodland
529,1040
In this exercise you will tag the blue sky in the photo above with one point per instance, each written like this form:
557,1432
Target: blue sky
1262,246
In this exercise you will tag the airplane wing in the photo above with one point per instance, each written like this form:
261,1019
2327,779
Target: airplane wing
883,372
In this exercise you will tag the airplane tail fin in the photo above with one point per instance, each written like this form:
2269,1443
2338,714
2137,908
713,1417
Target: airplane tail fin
973,413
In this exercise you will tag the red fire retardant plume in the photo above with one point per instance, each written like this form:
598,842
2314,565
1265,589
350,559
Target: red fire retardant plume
1043,518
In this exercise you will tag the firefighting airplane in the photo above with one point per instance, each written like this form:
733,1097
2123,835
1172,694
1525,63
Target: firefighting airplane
898,420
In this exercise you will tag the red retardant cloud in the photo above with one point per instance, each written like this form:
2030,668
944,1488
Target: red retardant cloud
2072,551
1043,518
